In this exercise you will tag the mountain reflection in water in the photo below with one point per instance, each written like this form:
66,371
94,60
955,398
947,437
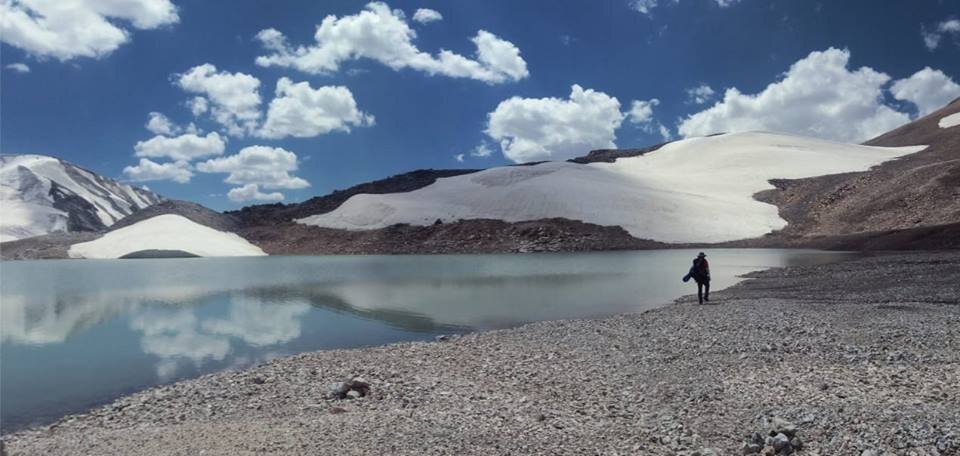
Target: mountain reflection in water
77,333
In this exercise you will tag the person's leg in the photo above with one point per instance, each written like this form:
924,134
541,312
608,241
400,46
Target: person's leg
700,291
706,291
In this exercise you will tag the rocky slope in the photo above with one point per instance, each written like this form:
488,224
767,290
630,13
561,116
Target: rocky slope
43,195
916,196
464,236
266,214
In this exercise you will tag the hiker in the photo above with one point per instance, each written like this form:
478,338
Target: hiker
700,272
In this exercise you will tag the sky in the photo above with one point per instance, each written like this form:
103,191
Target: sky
231,103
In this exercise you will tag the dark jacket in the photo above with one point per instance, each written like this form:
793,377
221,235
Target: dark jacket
700,271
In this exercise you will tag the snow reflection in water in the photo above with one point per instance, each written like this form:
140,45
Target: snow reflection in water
77,333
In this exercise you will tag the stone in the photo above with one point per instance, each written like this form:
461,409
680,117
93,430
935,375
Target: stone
782,426
780,441
338,390
354,394
360,385
796,443
750,448
870,453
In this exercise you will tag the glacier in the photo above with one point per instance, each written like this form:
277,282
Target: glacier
692,190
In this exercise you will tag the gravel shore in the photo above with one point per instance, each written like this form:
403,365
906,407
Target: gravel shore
860,357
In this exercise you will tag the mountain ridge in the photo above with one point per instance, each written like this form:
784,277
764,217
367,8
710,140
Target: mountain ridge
43,194
911,202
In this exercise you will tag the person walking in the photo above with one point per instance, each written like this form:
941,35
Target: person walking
700,272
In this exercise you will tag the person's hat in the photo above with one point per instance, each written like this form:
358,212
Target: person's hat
701,255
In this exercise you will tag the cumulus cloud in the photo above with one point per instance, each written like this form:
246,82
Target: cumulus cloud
641,111
481,151
268,167
181,148
932,38
643,6
251,192
18,67
641,114
149,170
459,157
67,29
665,133
700,94
531,129
235,97
928,89
384,35
160,124
818,96
647,6
301,111
425,15
198,106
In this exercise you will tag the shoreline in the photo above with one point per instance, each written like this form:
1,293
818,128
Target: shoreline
830,348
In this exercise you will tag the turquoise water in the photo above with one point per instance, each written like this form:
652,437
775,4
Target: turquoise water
78,333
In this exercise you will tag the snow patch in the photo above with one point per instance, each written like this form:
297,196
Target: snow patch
166,232
950,121
694,190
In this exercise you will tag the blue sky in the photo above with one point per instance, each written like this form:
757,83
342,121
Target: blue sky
796,66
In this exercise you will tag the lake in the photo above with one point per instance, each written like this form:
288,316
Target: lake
78,333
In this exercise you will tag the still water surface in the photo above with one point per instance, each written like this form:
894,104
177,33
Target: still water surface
77,333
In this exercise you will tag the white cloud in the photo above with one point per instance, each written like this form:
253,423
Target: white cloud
148,170
481,151
641,114
425,15
647,6
235,96
160,124
303,112
67,29
700,94
665,133
818,96
382,34
268,167
251,192
458,157
641,111
928,89
198,106
932,38
185,147
531,129
18,67
643,6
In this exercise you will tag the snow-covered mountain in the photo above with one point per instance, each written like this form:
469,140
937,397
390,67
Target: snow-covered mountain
41,194
166,233
693,190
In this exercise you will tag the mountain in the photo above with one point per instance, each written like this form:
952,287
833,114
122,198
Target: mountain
167,235
697,190
41,195
911,202
900,190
